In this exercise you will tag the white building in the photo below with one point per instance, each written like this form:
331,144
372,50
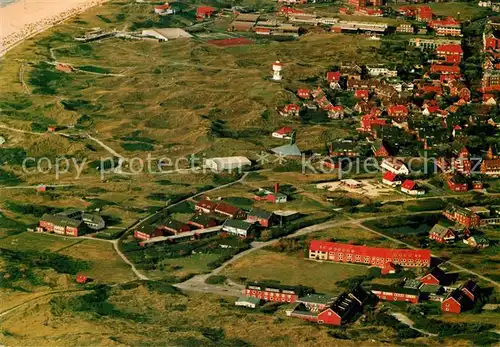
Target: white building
380,70
165,34
394,165
227,163
247,301
277,66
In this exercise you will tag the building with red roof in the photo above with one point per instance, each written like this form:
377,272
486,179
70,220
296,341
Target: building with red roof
374,256
398,111
304,93
362,94
410,187
369,120
452,53
283,133
363,11
230,211
456,302
203,12
446,27
286,10
424,14
391,179
434,276
205,206
290,110
445,69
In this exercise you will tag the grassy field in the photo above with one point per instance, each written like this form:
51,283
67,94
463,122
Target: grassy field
292,270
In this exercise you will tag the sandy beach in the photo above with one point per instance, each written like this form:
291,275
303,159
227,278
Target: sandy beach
25,18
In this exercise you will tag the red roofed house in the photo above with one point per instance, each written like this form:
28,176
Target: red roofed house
374,256
380,150
452,53
81,278
335,112
283,133
398,111
435,276
203,12
368,121
462,216
362,94
290,110
229,211
175,227
205,206
391,179
424,14
285,10
442,234
304,93
333,78
410,187
389,268
489,99
455,302
373,12
163,9
457,185
445,69
446,27
462,163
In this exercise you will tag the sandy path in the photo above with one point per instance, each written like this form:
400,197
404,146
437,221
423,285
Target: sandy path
25,18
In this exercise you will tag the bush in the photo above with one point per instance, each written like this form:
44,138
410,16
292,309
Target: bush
46,80
12,156
137,146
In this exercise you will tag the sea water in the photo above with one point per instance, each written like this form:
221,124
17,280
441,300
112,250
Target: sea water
6,2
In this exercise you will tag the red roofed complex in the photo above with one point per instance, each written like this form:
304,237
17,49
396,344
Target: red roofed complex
446,27
375,256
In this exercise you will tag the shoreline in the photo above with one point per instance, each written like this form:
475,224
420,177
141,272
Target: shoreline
36,18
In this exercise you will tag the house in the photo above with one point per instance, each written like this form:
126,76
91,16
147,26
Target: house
283,133
41,188
444,69
205,206
343,148
247,301
316,302
304,93
380,150
477,242
262,217
471,289
229,211
380,71
351,71
458,184
374,256
324,311
148,232
451,53
201,221
61,225
405,28
237,227
410,187
462,216
490,167
489,99
363,94
424,14
369,121
353,184
456,302
203,12
446,27
227,163
395,293
82,279
335,112
398,111
434,276
394,165
64,68
442,234
373,12
274,292
290,110
462,163
391,179
333,79
272,196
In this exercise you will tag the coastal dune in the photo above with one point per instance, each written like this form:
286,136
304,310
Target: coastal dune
25,18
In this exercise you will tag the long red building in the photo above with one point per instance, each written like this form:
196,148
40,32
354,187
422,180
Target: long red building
345,253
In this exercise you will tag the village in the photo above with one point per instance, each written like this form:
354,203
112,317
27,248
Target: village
365,188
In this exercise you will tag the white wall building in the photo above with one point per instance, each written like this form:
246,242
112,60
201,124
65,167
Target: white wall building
227,163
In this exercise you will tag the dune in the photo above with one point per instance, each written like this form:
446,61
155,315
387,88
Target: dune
25,18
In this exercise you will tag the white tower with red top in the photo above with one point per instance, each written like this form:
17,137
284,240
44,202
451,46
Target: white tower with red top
277,66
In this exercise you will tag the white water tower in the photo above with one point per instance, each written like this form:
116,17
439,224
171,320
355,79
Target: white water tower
277,66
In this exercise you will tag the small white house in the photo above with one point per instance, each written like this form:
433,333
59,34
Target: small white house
395,166
227,163
380,70
237,227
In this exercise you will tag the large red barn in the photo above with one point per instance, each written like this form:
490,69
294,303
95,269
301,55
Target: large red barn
375,256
